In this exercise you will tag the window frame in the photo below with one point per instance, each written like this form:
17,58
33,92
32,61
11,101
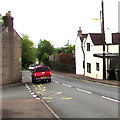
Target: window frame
88,46
89,67
97,66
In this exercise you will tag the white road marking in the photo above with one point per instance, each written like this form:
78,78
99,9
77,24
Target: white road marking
28,88
111,99
66,85
34,95
37,98
84,91
55,81
50,109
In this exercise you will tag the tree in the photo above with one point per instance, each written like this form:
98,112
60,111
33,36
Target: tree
1,19
45,49
28,52
67,49
45,58
70,48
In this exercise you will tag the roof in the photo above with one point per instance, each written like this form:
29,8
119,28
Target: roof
116,38
84,35
98,38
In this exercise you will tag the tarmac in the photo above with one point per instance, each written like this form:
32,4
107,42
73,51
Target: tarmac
85,78
38,109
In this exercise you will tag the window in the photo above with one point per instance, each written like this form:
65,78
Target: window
97,66
42,69
88,67
83,64
88,46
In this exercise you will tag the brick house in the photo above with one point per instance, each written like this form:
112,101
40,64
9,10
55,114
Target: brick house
10,50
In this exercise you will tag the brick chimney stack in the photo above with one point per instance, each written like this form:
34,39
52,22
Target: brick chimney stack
80,32
8,20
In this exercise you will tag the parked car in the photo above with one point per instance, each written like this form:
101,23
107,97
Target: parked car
31,67
40,74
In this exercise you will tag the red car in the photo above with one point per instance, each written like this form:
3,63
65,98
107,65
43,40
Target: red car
41,74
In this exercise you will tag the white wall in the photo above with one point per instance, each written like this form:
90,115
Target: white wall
89,58
113,48
79,57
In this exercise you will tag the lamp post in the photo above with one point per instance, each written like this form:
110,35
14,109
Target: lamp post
103,33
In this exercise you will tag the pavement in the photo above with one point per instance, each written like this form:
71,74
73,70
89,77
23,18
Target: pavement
33,108
19,103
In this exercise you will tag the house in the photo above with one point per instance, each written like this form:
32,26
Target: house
89,53
10,52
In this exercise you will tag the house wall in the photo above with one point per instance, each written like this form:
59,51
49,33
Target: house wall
11,55
113,48
89,58
79,57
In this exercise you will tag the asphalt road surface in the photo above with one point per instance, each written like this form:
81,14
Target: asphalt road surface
74,98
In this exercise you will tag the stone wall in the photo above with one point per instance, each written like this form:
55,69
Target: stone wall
11,55
10,52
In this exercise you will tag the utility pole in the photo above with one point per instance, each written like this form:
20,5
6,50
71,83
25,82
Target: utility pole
103,33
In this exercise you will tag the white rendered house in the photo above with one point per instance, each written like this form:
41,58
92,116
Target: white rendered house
88,53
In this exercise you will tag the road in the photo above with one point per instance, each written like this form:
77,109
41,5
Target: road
74,98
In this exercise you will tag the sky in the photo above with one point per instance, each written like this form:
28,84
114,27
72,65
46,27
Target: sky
59,20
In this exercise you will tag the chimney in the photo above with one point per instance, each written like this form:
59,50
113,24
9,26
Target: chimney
80,32
8,20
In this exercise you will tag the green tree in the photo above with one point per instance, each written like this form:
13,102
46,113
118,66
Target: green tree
45,58
66,49
70,48
45,49
59,50
1,19
28,52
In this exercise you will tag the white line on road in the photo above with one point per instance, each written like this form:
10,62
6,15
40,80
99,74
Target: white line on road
51,110
55,81
37,98
66,85
84,91
111,99
34,95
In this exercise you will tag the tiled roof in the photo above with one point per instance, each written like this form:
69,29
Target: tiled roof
116,38
97,38
84,35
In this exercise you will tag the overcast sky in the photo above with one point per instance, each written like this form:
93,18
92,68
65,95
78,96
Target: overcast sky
58,20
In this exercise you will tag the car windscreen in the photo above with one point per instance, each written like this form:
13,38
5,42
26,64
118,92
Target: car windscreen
31,66
42,69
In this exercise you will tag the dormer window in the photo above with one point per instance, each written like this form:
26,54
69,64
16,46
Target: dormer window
88,46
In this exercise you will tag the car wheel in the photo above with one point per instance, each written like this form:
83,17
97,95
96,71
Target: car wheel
33,81
49,80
